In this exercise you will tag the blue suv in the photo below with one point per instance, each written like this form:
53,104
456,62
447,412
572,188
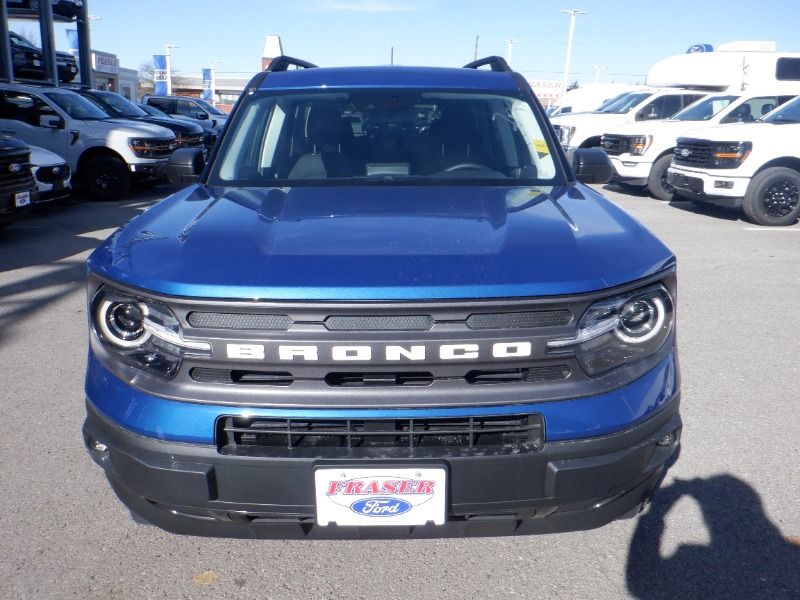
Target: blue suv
384,308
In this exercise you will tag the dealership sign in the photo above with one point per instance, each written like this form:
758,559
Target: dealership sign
547,90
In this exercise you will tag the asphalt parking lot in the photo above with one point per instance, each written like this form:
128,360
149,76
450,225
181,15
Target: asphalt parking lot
725,525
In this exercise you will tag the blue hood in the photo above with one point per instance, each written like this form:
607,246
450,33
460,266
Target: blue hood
380,243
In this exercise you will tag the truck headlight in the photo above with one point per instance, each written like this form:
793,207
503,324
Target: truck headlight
729,155
142,332
621,330
639,144
564,134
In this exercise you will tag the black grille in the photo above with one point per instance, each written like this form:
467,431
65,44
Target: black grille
247,377
693,153
377,323
520,320
507,433
530,375
378,379
257,322
189,140
615,145
15,170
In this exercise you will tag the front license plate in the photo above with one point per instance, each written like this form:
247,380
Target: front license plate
22,199
354,496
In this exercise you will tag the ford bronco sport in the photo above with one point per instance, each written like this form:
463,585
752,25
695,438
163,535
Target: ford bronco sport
385,308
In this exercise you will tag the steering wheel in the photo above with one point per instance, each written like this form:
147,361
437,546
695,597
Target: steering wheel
467,165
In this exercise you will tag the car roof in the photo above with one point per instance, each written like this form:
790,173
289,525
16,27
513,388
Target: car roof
389,77
37,89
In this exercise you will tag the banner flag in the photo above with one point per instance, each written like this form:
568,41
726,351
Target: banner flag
208,92
160,74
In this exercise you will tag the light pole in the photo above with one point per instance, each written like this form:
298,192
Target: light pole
510,47
572,12
169,67
597,69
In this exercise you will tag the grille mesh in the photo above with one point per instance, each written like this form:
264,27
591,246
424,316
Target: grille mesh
377,323
260,322
520,320
237,435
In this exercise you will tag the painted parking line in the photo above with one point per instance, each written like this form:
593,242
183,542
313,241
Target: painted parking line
789,229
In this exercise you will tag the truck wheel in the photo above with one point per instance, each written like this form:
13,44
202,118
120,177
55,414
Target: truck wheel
773,197
106,178
657,181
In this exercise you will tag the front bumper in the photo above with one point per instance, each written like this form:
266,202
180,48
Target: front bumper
566,485
725,189
152,169
630,171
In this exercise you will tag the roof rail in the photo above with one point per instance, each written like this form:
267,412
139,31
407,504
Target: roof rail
497,63
282,63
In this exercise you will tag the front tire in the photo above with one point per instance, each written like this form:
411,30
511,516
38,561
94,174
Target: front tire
657,180
773,197
106,178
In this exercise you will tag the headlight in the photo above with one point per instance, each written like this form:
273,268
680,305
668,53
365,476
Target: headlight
729,155
564,134
142,332
621,330
639,144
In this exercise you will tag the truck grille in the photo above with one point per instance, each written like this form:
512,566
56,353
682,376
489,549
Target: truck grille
15,171
693,153
189,140
252,377
251,436
614,145
476,321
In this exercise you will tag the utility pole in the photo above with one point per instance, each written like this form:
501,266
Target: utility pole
572,12
391,55
169,67
510,43
597,69
214,81
475,55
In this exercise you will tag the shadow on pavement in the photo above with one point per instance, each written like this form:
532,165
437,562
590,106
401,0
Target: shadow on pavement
747,556
708,210
41,253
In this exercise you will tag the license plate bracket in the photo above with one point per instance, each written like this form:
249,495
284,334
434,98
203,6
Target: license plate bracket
357,496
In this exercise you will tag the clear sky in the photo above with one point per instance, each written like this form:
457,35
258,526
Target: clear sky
624,37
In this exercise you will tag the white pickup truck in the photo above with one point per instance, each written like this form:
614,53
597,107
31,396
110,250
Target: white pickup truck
584,130
752,166
642,152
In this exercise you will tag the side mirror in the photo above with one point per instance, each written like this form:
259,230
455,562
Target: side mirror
201,115
51,122
591,165
185,165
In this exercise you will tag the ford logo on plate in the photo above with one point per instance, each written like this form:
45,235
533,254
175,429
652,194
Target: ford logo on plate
381,507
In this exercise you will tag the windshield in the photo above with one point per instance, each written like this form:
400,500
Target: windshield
613,99
77,106
118,105
788,113
21,41
153,111
210,107
626,103
385,136
703,110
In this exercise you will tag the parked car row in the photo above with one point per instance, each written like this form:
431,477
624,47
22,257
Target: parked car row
723,148
28,175
733,147
107,143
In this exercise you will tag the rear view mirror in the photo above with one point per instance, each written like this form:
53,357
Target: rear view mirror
51,121
201,115
592,165
185,165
